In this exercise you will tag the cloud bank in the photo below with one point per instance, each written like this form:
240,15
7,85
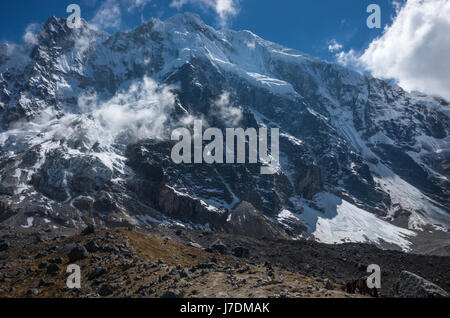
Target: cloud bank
414,50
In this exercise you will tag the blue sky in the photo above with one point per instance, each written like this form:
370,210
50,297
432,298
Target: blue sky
411,48
305,25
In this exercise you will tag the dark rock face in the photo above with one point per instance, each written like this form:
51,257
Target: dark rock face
88,175
83,203
408,169
186,208
411,285
309,181
105,203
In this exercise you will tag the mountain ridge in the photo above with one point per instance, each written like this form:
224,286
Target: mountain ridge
86,125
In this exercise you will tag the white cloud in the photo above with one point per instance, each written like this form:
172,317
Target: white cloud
140,112
109,16
30,33
414,50
225,9
334,46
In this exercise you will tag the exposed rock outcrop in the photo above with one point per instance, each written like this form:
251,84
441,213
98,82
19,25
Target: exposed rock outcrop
246,220
410,285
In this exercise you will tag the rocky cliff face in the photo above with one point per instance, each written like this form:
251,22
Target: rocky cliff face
86,120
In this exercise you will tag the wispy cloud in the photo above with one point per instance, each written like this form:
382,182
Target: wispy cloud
225,9
223,109
30,33
108,16
350,59
137,4
334,46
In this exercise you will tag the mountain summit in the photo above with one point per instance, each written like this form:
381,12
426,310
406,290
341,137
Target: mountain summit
86,119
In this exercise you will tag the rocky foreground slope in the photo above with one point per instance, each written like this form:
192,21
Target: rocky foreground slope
125,263
170,262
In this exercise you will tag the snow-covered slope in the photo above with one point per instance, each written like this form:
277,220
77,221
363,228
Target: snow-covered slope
86,119
338,221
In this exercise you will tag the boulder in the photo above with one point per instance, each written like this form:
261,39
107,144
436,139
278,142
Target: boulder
52,269
173,294
97,272
66,248
4,246
248,221
78,253
91,246
410,285
218,247
88,230
328,284
43,265
106,290
196,245
241,252
57,260
32,292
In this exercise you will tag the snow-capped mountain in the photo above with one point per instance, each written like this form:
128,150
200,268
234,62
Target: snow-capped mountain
86,120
